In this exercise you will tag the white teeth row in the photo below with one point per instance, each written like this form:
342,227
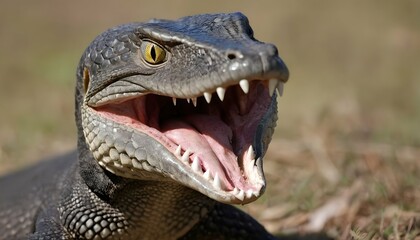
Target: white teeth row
273,84
216,181
241,194
196,167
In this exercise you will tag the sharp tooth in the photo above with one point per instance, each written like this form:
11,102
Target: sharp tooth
280,88
244,85
221,93
216,182
186,156
235,191
196,165
178,151
194,101
207,96
251,153
240,195
249,193
272,84
206,175
188,100
174,101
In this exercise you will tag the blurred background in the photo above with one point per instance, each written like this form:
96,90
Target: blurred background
345,159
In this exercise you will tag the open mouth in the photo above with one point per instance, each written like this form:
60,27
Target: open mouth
211,134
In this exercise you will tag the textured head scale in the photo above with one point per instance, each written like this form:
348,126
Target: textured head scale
134,113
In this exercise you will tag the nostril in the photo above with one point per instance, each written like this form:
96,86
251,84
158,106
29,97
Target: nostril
234,54
231,56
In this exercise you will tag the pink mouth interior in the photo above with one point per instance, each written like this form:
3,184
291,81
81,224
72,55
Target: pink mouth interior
218,133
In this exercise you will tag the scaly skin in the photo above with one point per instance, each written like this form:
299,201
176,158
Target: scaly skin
144,168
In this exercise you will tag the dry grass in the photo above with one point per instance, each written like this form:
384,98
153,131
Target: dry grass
345,158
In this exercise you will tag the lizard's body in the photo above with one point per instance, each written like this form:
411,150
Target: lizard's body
146,169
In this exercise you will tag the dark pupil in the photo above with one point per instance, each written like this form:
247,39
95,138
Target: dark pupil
153,53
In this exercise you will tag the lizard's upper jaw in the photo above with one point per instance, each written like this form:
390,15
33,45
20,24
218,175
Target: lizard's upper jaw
213,143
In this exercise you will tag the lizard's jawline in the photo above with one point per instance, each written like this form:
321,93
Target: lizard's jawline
156,116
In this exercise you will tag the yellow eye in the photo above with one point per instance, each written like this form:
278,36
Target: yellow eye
153,53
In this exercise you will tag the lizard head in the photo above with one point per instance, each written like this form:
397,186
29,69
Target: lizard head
191,100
